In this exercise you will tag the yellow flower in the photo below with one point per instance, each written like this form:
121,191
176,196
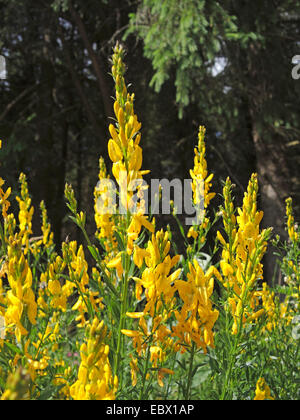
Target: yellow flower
161,374
104,215
95,380
117,264
25,213
4,199
134,370
201,180
52,287
262,391
123,148
46,228
156,355
20,297
157,281
242,255
5,204
134,229
197,317
290,220
201,185
192,233
139,256
135,315
17,386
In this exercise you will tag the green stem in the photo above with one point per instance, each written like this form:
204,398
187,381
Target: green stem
120,342
124,297
42,339
190,375
3,239
170,379
98,261
146,366
229,370
232,358
149,341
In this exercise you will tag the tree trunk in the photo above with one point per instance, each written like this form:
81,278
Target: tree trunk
102,83
274,181
45,171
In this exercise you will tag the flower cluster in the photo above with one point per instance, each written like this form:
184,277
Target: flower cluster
241,259
201,185
157,282
197,317
123,148
5,204
81,321
290,220
104,210
25,213
20,299
51,289
95,380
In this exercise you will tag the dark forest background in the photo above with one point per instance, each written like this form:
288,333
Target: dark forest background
226,65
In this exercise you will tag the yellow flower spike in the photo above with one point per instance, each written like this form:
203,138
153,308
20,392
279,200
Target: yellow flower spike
201,184
20,298
157,281
5,204
46,227
241,257
197,307
290,220
125,153
95,380
104,213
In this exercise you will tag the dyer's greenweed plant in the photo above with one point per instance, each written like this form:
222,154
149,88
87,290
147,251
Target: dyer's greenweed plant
141,321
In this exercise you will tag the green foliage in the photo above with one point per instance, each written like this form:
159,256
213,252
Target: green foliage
186,36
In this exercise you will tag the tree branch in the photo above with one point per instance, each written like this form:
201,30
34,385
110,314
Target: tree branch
16,100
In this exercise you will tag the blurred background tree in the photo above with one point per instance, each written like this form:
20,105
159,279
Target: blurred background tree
226,65
232,61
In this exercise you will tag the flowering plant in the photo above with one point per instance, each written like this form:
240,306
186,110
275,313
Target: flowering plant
137,320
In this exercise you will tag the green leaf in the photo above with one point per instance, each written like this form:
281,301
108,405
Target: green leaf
13,348
94,252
